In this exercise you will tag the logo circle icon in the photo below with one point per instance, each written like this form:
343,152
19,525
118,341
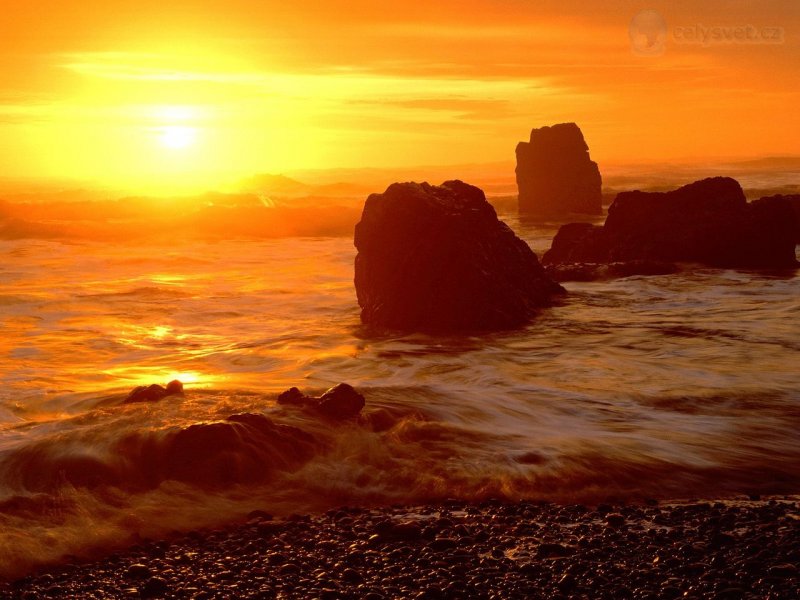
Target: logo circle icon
648,33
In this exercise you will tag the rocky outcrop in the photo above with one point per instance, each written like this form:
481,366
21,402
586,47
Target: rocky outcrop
707,222
555,175
436,258
340,402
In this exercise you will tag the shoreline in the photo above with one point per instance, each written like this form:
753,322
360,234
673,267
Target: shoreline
725,549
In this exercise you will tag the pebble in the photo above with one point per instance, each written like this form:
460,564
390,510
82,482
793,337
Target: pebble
489,550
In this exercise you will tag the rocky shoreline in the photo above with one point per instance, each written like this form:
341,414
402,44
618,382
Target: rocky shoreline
748,548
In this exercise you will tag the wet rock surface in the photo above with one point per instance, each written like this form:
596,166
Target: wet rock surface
340,402
707,222
491,550
154,392
555,174
595,272
436,258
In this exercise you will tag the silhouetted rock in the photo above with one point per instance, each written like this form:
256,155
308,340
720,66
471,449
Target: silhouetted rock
792,201
154,392
436,258
340,402
707,222
555,175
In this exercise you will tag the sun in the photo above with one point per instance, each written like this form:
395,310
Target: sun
178,136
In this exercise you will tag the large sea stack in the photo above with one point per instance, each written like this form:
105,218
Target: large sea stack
708,222
436,258
555,175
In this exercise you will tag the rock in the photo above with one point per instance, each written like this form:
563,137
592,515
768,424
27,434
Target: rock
792,202
555,174
615,520
174,387
340,402
244,448
707,222
154,392
139,571
436,258
155,587
293,397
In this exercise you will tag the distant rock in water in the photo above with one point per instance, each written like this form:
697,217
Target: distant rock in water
707,222
155,392
340,402
436,258
555,175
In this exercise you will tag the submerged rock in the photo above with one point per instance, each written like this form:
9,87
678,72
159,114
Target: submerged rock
244,448
555,175
594,271
340,402
707,222
154,392
436,258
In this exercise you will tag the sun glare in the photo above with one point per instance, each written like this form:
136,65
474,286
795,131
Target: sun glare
178,136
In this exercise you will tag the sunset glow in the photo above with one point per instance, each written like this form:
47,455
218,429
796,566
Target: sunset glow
249,87
425,299
176,136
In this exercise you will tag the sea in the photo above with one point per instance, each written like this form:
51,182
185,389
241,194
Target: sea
679,386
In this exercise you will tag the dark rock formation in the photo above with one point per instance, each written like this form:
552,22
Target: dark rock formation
792,201
340,402
154,392
555,175
436,258
707,222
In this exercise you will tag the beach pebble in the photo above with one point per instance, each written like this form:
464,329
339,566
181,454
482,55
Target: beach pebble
473,551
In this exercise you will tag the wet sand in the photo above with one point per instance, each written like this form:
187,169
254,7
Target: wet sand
748,548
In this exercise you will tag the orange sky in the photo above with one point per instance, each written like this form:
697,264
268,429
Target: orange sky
188,94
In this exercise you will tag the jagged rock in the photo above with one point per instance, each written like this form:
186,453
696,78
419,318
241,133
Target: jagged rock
555,175
340,402
436,258
154,392
707,222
